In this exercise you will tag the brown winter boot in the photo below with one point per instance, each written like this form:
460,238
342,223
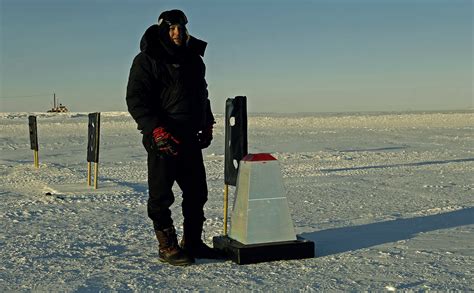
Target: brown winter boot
169,251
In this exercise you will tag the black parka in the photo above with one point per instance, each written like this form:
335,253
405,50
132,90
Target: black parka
167,86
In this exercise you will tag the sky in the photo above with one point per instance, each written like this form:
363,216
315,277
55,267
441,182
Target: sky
285,56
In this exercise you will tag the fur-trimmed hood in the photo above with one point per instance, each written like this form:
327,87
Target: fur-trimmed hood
155,42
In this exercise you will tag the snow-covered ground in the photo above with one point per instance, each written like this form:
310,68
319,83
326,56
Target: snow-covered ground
387,197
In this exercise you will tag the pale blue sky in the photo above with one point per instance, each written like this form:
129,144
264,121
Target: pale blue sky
285,56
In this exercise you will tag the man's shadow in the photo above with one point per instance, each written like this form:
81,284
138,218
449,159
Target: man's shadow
344,239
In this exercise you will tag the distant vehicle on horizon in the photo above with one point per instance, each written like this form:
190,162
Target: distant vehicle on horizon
57,109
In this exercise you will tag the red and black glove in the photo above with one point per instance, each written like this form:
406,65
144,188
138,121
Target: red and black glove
205,136
164,142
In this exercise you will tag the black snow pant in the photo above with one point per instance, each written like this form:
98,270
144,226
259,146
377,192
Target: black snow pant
186,169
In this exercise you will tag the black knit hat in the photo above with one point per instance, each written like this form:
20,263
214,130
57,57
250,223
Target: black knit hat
171,17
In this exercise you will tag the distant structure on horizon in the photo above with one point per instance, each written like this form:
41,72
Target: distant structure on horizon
57,109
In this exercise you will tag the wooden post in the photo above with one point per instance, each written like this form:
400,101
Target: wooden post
96,174
89,174
34,138
36,159
93,148
226,200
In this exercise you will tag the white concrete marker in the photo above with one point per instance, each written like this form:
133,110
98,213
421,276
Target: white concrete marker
260,213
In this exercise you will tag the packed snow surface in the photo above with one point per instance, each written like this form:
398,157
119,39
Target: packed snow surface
387,198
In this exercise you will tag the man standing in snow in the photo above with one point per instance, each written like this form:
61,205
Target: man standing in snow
167,96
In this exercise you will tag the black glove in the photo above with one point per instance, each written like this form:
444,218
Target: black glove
205,137
164,142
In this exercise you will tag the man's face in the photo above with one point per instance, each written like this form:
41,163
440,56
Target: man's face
177,33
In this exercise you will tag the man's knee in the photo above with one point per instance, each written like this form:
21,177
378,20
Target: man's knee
159,212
